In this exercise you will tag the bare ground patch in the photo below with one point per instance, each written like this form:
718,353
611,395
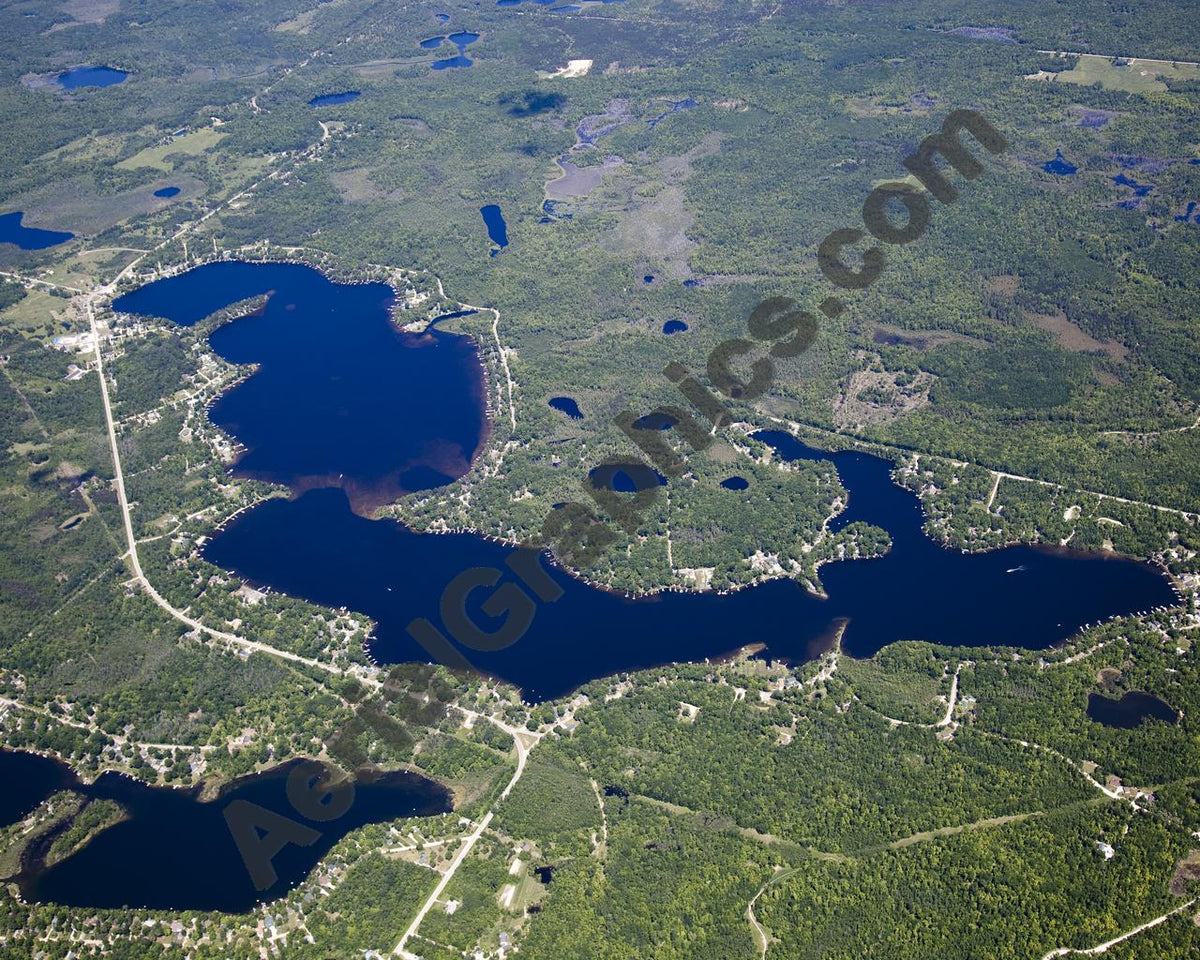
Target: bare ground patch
879,396
1070,337
577,181
1003,285
85,11
656,228
886,335
1186,871
356,185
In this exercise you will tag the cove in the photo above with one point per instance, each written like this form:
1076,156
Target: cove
342,397
29,238
175,852
1022,596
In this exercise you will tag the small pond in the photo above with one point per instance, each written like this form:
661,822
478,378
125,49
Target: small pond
1131,710
568,406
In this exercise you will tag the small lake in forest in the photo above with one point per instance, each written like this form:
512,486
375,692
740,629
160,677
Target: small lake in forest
1059,166
568,406
1130,711
137,862
357,431
80,77
332,99
497,229
462,40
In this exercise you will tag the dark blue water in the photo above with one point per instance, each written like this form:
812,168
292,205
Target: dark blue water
462,40
626,478
568,406
1139,189
167,192
174,852
654,421
676,106
29,238
1130,711
1022,596
1059,166
342,397
331,99
648,278
1186,216
317,548
91,77
674,326
735,483
442,17
497,229
28,780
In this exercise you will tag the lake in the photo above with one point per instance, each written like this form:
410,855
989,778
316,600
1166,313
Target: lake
167,192
316,547
1059,166
135,862
29,238
674,326
1025,596
497,229
79,77
342,397
332,99
462,40
568,406
1130,711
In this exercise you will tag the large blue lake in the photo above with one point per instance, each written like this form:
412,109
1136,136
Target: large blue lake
317,547
342,397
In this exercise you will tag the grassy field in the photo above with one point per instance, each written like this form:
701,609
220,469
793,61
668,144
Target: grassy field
1132,76
159,156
